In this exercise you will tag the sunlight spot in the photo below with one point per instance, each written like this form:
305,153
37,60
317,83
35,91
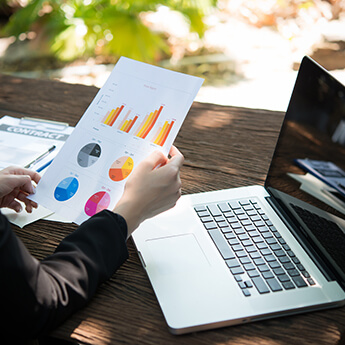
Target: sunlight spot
205,120
109,37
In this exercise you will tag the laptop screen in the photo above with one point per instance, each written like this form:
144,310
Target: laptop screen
309,160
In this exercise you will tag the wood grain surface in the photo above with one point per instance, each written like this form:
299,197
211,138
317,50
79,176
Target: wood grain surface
224,147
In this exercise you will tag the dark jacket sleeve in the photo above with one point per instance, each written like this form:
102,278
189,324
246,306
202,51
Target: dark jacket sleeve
36,296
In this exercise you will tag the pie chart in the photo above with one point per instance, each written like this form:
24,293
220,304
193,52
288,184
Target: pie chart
96,203
66,189
121,168
89,155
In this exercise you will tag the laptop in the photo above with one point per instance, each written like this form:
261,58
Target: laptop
245,254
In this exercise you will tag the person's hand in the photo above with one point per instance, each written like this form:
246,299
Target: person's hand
153,187
15,186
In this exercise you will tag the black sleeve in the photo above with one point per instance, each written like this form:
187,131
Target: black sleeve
36,296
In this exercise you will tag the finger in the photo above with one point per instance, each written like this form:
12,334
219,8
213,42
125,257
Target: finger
15,205
35,176
23,197
29,204
155,159
173,150
23,182
14,183
14,170
176,157
28,207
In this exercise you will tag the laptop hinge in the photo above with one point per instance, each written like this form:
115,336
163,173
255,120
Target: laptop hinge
302,237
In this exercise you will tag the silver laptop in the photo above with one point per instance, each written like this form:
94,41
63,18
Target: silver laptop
240,255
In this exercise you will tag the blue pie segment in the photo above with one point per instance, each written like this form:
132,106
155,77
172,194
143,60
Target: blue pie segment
66,189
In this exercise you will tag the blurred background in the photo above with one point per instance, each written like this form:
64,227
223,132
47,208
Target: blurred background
248,51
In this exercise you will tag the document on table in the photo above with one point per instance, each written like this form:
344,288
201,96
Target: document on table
30,142
139,109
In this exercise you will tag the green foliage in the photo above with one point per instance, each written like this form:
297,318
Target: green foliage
81,28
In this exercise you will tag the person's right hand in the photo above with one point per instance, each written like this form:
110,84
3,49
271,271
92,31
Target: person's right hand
153,187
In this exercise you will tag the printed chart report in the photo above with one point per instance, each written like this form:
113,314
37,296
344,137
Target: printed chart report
139,109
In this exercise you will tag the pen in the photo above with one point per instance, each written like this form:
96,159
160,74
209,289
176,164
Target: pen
44,166
40,157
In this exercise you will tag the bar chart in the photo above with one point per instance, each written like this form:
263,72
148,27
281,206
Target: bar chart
132,123
139,109
112,115
127,123
148,123
162,133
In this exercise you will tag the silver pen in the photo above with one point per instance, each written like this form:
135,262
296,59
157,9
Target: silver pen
40,157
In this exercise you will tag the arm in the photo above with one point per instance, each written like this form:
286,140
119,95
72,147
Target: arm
41,294
36,296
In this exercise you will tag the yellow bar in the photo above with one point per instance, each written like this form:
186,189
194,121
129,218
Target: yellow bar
155,136
124,125
144,126
107,121
124,120
143,129
140,127
105,116
128,124
166,124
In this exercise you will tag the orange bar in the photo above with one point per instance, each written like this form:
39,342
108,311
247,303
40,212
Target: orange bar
127,125
132,124
115,116
152,124
152,120
110,115
164,138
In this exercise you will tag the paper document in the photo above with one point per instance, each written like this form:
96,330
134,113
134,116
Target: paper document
23,141
23,218
140,109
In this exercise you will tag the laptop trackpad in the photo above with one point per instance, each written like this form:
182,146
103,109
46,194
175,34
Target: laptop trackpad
176,254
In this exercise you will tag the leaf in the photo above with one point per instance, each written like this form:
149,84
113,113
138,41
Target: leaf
133,39
110,27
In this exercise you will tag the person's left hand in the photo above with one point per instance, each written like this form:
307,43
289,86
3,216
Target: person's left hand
16,184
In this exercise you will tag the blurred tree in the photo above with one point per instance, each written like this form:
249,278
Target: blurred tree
81,28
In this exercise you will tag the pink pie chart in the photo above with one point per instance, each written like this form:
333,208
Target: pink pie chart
96,203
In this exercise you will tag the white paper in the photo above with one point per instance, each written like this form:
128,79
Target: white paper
23,218
24,140
90,171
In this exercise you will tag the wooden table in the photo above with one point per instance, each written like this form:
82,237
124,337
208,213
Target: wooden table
223,147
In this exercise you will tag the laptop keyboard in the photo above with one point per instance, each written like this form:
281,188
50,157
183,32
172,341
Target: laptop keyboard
254,251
